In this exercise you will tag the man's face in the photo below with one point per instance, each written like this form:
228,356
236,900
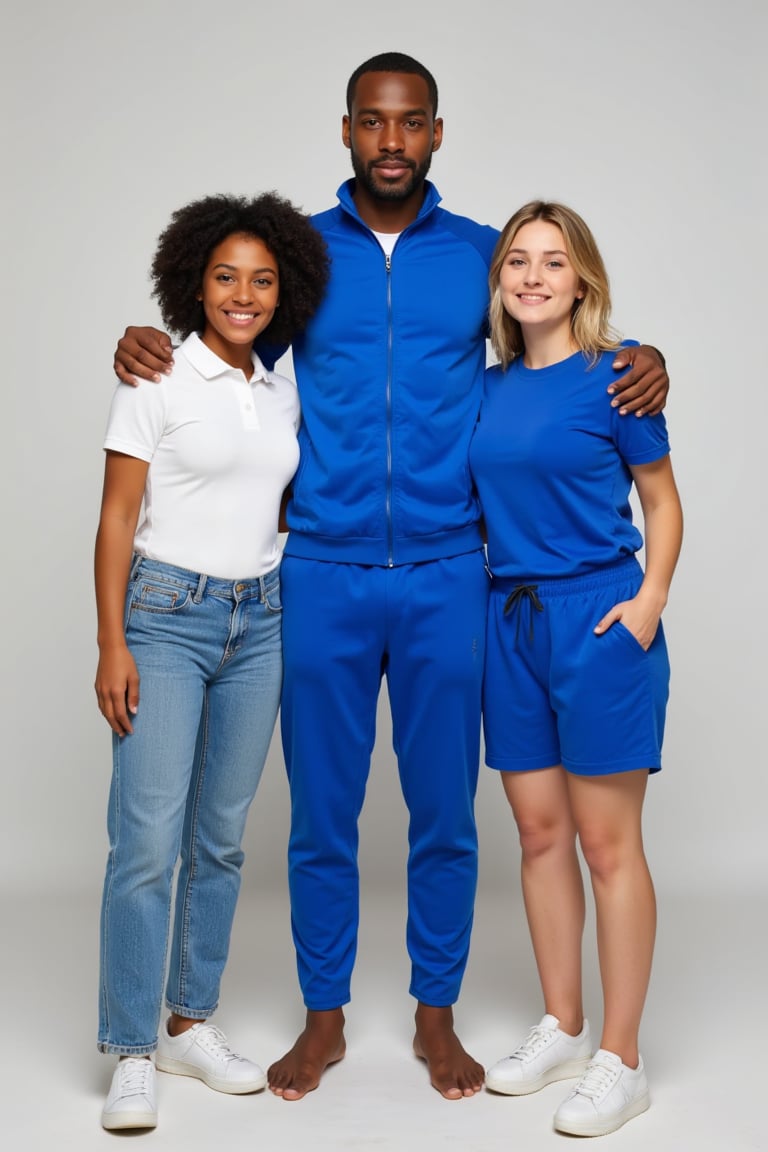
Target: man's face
391,134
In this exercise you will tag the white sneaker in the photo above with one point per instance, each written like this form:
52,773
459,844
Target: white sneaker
608,1094
202,1051
131,1101
546,1054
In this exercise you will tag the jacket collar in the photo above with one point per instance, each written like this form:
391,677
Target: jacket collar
431,200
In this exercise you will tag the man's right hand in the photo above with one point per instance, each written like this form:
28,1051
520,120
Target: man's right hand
143,354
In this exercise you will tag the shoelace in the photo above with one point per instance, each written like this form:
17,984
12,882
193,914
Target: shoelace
536,1039
213,1040
596,1081
134,1077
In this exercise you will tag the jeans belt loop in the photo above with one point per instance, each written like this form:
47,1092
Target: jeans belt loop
201,583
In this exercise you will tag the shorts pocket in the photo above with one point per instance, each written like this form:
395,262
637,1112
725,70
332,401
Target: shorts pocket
622,630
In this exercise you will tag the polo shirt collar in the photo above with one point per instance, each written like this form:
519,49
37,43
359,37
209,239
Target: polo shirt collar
209,365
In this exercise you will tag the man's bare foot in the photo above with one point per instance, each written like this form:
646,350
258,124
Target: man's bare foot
452,1071
320,1044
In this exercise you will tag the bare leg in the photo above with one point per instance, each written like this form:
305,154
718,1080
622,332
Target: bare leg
608,812
179,1024
320,1044
552,887
452,1071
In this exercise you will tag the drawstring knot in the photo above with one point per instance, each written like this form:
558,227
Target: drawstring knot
516,597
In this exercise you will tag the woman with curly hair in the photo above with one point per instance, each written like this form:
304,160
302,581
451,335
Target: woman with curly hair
189,631
576,674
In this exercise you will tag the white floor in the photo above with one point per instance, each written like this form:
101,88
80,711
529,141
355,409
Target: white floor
703,1039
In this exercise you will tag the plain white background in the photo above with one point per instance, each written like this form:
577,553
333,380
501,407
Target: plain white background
649,120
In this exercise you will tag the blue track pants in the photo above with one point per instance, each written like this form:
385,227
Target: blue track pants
344,627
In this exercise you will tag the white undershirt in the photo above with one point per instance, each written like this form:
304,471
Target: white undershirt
387,240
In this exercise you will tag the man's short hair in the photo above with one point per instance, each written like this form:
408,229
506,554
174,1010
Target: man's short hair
393,62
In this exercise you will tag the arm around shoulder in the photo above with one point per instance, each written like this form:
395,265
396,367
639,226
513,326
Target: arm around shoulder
143,354
643,390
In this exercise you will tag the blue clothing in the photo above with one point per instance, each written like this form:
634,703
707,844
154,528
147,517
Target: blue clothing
209,656
384,575
423,627
550,458
390,375
556,693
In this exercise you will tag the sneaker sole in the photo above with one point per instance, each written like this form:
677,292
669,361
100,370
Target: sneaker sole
565,1071
602,1128
232,1088
116,1120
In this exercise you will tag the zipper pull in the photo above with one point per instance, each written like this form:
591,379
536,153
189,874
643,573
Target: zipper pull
388,261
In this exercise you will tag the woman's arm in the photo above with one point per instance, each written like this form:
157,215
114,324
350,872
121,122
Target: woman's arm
663,516
117,680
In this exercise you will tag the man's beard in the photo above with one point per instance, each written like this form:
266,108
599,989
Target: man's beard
381,189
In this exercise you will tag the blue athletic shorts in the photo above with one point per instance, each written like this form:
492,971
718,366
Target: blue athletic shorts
555,693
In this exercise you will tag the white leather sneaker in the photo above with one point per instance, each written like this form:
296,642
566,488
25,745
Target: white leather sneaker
131,1101
547,1054
608,1094
202,1051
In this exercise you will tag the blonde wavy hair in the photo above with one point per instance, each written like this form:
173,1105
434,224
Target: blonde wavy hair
590,325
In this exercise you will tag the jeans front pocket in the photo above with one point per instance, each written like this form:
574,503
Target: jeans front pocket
157,595
272,600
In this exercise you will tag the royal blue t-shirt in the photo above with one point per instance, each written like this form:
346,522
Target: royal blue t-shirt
550,459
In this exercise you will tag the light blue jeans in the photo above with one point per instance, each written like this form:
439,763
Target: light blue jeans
209,657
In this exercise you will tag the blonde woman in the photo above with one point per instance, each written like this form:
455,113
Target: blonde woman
577,673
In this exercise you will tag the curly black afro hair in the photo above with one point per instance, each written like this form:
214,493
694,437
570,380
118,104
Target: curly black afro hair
185,246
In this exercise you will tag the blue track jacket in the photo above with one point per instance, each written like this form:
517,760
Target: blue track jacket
390,375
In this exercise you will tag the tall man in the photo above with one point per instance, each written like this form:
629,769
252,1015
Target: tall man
384,567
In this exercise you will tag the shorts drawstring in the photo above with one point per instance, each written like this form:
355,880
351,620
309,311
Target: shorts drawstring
516,596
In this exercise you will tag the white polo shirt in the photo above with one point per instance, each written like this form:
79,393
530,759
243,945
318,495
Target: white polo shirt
221,451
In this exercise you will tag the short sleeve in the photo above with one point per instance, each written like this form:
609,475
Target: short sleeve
136,419
640,439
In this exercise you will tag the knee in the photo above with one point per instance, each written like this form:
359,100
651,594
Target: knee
147,860
139,875
604,853
540,836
